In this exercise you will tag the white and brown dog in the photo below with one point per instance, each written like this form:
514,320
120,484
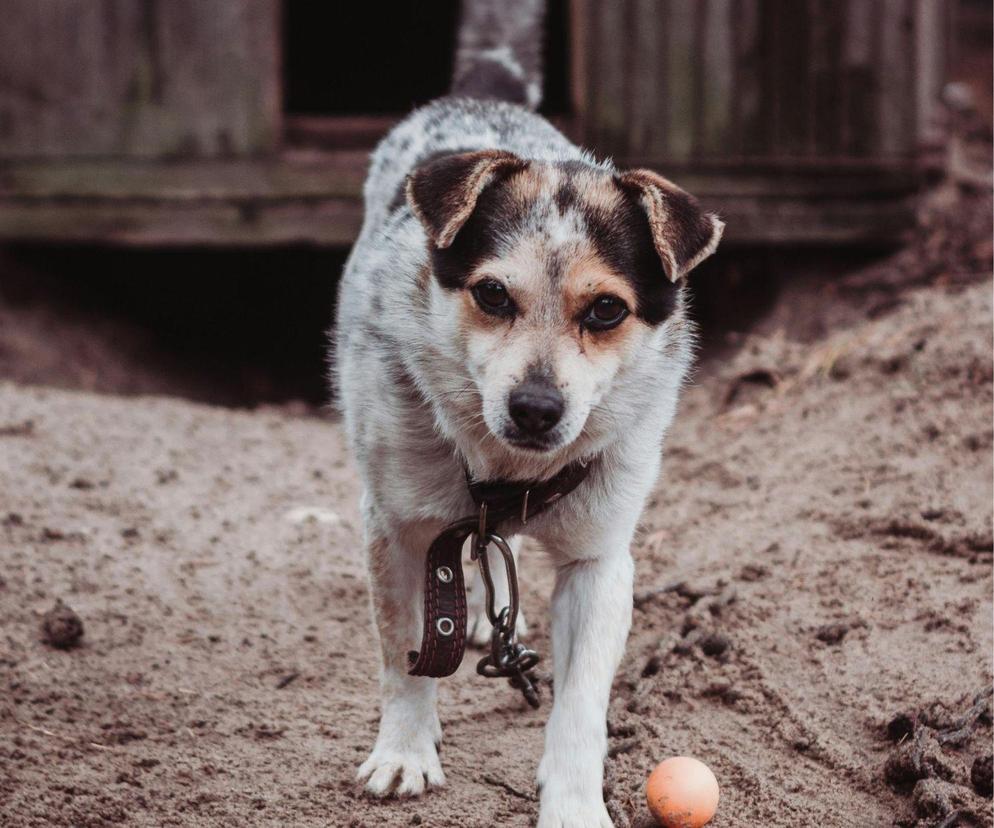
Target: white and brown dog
511,306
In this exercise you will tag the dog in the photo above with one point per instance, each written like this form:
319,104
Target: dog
512,305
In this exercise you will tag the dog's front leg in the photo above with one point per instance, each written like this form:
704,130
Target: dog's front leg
405,756
591,615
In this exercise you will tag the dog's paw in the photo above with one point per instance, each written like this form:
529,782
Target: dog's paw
571,790
558,812
403,771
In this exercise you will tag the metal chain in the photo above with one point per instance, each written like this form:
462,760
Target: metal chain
508,658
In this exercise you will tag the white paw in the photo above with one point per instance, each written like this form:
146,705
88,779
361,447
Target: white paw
405,771
562,812
572,790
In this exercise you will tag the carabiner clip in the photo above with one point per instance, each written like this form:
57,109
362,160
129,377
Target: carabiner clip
505,622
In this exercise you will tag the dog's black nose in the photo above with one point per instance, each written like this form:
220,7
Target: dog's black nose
535,406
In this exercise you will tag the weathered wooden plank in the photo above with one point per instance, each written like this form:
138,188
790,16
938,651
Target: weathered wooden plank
682,65
138,77
896,101
291,176
797,222
718,78
647,108
860,77
789,79
760,80
930,42
59,83
316,175
766,218
328,223
606,77
825,97
580,43
316,199
336,133
812,187
340,175
653,80
219,70
750,129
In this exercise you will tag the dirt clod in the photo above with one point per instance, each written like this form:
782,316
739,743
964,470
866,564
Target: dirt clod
757,378
982,775
753,572
61,627
901,726
919,757
24,429
714,644
287,680
928,761
941,804
832,633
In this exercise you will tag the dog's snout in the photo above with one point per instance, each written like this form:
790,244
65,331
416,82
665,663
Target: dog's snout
535,406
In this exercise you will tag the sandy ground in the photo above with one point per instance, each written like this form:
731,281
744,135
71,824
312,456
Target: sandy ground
816,559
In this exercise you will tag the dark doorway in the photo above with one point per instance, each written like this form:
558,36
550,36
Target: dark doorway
376,59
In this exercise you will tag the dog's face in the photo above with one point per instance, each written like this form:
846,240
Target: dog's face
558,276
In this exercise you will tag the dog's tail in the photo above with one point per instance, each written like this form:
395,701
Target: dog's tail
499,54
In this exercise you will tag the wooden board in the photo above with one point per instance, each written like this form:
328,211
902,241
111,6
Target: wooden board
148,78
315,198
702,81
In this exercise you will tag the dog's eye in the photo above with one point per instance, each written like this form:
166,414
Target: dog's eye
492,297
605,313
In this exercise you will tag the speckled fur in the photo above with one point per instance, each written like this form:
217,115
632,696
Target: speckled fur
422,385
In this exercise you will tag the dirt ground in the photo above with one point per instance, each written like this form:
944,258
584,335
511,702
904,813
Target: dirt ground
816,560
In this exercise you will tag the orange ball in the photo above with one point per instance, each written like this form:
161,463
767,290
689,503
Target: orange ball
682,793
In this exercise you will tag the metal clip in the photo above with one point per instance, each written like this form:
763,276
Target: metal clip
483,561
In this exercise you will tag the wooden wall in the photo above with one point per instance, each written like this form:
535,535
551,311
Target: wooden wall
758,82
149,78
800,121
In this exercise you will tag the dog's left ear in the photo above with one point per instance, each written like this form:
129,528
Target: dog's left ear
443,193
684,235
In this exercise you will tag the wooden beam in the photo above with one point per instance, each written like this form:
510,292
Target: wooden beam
291,175
316,198
327,223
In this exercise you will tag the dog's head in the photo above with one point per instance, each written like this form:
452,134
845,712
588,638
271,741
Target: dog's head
558,274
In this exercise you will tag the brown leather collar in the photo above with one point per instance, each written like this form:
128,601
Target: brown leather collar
508,500
444,638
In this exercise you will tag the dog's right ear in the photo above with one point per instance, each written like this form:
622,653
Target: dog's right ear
443,192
